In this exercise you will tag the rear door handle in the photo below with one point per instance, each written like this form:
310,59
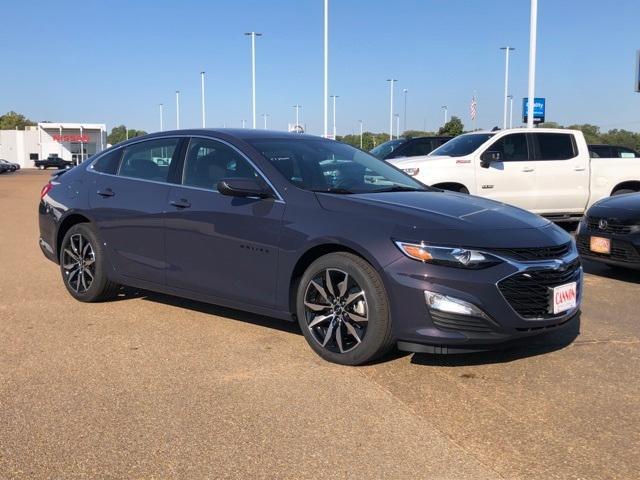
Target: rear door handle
579,169
182,203
527,169
107,192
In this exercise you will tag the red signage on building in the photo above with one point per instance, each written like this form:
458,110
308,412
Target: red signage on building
71,138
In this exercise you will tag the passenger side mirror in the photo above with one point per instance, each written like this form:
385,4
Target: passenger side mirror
489,156
243,187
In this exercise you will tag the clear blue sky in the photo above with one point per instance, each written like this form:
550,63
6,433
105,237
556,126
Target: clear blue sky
114,61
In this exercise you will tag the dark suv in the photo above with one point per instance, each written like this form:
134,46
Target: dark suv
612,151
52,161
403,147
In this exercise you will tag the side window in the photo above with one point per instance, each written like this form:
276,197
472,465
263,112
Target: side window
108,163
149,160
600,151
512,148
555,146
624,152
418,148
209,161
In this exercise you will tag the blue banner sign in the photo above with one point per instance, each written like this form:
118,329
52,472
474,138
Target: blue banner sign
538,110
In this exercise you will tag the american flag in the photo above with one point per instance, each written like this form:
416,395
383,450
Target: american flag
473,108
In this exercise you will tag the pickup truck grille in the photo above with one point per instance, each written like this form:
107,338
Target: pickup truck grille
612,226
529,293
620,251
536,253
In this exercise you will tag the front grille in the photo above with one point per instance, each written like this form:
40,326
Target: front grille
529,292
620,251
466,323
613,226
536,253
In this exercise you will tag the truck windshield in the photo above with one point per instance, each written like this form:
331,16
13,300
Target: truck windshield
462,145
384,149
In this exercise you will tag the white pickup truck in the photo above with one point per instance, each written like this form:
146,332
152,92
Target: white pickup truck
547,171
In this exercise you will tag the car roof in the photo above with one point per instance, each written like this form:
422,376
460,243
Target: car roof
242,133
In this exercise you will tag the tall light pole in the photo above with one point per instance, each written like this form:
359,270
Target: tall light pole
177,109
360,134
533,27
244,123
202,97
326,68
297,109
161,115
264,118
391,83
404,121
506,49
510,111
253,36
444,107
397,115
334,114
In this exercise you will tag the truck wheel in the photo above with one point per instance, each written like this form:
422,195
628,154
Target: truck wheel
622,191
83,265
343,310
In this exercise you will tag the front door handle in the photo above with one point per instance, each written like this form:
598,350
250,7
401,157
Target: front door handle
527,169
182,203
107,192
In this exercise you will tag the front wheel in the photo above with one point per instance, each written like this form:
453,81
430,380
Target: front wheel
343,310
82,264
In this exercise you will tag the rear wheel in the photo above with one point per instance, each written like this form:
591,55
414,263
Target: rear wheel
343,310
82,264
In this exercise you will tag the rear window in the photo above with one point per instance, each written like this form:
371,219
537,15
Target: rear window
108,163
555,146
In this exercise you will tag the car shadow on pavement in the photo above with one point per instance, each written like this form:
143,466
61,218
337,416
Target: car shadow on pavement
507,352
614,273
260,320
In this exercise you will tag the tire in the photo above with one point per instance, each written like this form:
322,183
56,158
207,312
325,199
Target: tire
85,280
622,191
350,311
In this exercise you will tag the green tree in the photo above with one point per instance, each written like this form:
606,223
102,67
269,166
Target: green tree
623,138
119,134
409,134
453,127
591,132
550,125
12,120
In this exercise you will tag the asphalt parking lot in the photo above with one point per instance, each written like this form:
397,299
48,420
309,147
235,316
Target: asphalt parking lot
151,386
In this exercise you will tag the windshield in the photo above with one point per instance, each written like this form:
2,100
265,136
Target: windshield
384,149
327,166
462,145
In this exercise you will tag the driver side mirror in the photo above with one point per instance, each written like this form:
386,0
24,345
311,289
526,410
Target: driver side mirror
489,156
244,187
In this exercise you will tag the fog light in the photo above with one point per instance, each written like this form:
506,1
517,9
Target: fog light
448,304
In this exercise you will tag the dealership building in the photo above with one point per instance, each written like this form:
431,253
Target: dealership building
71,141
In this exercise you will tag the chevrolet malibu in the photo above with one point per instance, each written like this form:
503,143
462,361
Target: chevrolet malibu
311,230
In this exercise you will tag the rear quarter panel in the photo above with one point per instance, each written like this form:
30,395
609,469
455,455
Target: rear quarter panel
607,173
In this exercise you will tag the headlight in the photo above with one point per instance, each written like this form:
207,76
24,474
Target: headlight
411,171
449,256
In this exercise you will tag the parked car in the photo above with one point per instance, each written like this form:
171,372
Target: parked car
309,229
612,151
9,166
4,167
610,232
408,147
546,171
52,161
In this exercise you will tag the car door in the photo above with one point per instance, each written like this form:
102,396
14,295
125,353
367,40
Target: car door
220,245
562,173
512,178
129,199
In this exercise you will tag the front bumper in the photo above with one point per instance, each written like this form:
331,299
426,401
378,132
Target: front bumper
625,249
415,325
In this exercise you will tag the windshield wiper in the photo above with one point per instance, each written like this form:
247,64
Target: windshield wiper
340,191
401,188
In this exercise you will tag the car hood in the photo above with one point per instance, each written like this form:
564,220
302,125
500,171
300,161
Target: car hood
449,217
627,206
404,162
